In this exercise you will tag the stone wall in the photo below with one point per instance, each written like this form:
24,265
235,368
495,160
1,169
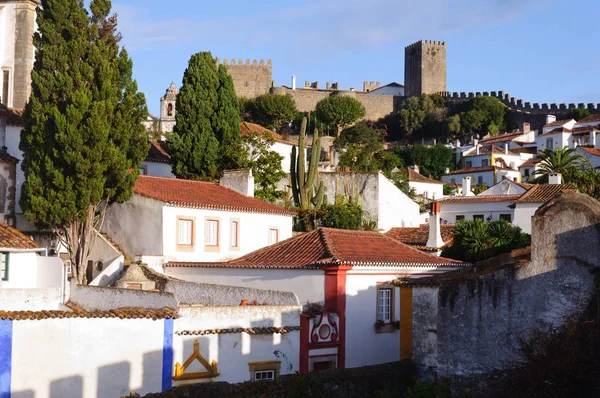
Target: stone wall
250,79
424,68
25,25
471,321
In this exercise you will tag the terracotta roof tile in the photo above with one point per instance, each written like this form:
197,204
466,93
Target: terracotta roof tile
418,236
591,118
255,330
332,246
122,313
413,176
7,158
486,150
13,116
530,163
246,128
201,195
477,170
543,193
501,138
479,199
158,152
556,131
558,123
591,151
585,129
12,238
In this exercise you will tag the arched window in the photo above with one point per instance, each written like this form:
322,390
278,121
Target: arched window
170,109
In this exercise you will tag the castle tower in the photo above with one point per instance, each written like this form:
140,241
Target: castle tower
250,79
16,50
167,108
424,68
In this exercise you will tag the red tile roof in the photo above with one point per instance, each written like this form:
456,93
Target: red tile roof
158,152
202,195
5,157
501,138
256,330
413,176
13,116
332,246
479,199
530,163
417,237
122,313
558,123
486,150
591,118
543,193
591,151
556,131
585,129
477,170
247,128
11,238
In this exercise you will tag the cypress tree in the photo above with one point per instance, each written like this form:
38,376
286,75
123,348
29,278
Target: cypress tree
193,143
83,136
226,122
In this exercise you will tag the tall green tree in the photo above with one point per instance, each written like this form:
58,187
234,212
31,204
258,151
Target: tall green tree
420,114
483,114
362,149
559,160
432,160
226,121
340,111
272,110
194,144
83,140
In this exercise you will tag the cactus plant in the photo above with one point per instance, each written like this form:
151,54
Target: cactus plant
303,190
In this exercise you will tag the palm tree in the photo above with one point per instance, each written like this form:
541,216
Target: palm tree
559,160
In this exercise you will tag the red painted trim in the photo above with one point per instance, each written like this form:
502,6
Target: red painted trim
335,301
304,339
318,346
322,355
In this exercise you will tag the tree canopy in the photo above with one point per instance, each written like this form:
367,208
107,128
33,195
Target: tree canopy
340,111
483,114
432,160
362,149
577,113
272,111
559,160
422,114
207,121
83,140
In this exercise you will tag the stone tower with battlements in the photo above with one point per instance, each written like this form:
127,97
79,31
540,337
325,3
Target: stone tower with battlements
16,50
424,68
250,79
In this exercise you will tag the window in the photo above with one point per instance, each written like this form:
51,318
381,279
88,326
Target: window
549,143
185,233
235,234
468,164
266,370
273,236
212,239
485,162
264,375
143,170
460,217
453,180
479,180
134,286
5,83
170,109
4,266
505,217
526,172
384,305
478,217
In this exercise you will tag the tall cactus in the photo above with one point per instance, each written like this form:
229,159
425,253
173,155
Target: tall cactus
303,183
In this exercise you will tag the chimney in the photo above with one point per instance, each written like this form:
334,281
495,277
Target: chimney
476,144
466,187
435,230
593,138
293,82
526,128
555,178
550,119
506,148
447,170
416,168
240,181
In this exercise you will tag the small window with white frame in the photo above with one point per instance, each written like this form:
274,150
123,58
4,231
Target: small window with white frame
384,305
260,375
235,234
265,370
4,266
273,236
211,234
185,233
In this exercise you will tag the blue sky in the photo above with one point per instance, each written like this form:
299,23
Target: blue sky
537,50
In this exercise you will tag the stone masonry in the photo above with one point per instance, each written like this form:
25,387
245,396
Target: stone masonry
24,53
250,79
425,68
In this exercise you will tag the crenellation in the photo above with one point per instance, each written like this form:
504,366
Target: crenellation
562,107
581,105
590,106
545,107
240,62
501,94
553,107
471,95
486,94
254,62
571,106
527,105
536,106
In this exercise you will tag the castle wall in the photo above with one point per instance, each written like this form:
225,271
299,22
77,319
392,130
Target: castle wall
424,68
24,52
250,79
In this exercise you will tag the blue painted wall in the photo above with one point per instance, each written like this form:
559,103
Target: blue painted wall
167,364
6,329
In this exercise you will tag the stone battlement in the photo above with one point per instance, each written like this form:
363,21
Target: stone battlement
421,42
240,62
518,104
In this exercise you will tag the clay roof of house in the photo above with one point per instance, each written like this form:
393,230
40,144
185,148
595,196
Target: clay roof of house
591,151
11,238
254,330
595,117
558,123
486,150
76,312
543,193
328,246
202,195
158,152
414,176
523,185
13,116
479,199
585,129
556,131
477,170
7,158
530,162
501,138
247,128
417,237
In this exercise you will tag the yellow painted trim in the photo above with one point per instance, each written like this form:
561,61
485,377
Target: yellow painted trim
211,369
405,323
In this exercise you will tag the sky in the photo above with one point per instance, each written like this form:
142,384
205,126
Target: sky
543,51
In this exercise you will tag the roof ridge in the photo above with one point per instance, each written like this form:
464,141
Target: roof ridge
329,246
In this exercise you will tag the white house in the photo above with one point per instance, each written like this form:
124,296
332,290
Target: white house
280,145
427,187
555,134
392,88
485,208
157,162
170,219
528,168
516,140
488,175
527,204
591,154
348,272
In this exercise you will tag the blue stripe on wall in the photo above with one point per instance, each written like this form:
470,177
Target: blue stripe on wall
167,364
6,330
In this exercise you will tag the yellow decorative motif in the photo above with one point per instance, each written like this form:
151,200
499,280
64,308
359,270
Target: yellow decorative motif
211,368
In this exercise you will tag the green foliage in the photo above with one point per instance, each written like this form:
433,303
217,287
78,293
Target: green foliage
226,119
342,215
475,240
448,189
423,116
432,160
340,111
483,114
559,160
303,190
362,150
577,113
428,389
400,179
588,182
272,110
83,140
453,125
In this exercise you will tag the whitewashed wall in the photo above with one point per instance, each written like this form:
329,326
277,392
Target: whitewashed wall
429,190
7,42
395,208
37,299
449,211
559,140
30,271
309,285
503,188
284,150
514,175
253,233
158,169
523,214
487,176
